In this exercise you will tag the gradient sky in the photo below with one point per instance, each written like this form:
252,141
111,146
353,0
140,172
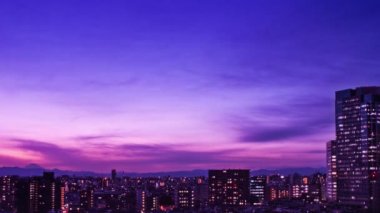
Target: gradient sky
165,85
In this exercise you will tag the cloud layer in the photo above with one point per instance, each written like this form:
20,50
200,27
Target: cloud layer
144,158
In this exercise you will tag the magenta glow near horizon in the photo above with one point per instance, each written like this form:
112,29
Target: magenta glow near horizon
178,85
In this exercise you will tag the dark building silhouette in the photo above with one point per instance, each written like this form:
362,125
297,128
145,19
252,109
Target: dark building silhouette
358,146
316,188
228,188
201,193
113,174
22,195
108,200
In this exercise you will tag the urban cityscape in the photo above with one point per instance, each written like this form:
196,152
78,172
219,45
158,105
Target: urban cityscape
352,182
189,106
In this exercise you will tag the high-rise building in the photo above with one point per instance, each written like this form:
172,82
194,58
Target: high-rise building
331,171
257,189
44,194
228,187
358,146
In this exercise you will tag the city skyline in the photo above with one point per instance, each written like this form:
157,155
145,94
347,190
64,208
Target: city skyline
95,86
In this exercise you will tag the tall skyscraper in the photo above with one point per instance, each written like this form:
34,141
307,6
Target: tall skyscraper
358,146
331,171
228,187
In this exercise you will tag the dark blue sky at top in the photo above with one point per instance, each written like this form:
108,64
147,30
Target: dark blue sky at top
182,72
251,42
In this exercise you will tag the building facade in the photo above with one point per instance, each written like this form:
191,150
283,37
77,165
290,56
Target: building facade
185,197
357,146
228,187
257,189
7,193
44,194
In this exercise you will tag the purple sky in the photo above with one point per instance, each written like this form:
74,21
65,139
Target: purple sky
166,85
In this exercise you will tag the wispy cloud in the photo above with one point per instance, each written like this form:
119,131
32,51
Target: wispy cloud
289,120
97,137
